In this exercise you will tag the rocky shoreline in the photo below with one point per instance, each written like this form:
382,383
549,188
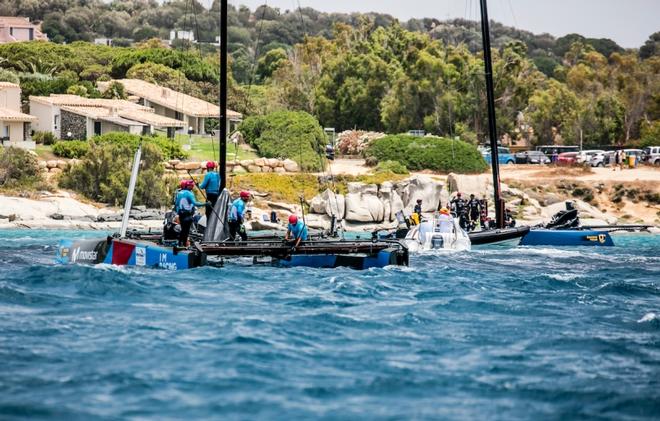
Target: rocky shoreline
364,207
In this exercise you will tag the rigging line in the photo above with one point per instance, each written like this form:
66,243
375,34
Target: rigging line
256,54
513,15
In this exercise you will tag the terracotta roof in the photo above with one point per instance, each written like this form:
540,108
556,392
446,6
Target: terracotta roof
174,100
78,101
10,115
124,116
151,118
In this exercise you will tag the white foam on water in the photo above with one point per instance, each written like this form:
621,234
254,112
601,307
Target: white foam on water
649,317
565,277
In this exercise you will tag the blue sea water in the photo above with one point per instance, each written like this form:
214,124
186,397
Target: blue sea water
496,333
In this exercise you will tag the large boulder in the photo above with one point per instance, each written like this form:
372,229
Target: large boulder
260,162
329,203
392,202
290,165
254,168
363,203
421,187
481,185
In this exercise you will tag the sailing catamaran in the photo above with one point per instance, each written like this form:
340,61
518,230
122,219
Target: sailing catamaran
138,249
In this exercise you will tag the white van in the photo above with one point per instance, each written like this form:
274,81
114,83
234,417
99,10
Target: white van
651,155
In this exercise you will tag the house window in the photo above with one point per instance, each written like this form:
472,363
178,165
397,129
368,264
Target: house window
178,115
97,128
6,131
56,121
11,31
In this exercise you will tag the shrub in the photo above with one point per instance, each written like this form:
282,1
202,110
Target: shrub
18,168
431,153
650,134
287,134
169,148
71,148
9,76
46,138
104,172
392,166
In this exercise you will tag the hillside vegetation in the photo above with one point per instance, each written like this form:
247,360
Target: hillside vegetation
365,71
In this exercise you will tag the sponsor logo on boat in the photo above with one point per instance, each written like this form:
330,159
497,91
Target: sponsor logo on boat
140,256
163,263
600,238
88,255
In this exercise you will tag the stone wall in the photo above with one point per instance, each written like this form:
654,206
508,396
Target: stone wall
74,123
259,165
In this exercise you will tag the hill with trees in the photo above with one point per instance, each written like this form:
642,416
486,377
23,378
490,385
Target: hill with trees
366,71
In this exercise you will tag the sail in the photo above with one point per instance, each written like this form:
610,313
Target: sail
216,224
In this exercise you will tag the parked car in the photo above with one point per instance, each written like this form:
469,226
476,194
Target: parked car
531,157
549,149
602,159
504,155
567,158
585,155
652,155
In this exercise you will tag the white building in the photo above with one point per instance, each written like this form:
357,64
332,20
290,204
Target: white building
169,103
75,117
16,29
182,35
14,125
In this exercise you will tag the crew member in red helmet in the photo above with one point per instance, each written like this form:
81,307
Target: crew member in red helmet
296,232
185,209
237,216
211,184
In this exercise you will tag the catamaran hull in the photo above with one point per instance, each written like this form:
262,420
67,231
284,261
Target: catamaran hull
387,257
542,237
124,252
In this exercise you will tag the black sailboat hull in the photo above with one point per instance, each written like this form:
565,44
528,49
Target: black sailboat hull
497,235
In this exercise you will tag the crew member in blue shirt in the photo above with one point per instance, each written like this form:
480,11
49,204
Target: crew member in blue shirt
185,208
296,232
211,184
237,216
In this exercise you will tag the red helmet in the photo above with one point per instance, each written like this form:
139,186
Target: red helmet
210,165
245,195
293,219
189,184
458,194
182,184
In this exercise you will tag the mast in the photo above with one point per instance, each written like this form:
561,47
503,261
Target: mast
492,127
222,168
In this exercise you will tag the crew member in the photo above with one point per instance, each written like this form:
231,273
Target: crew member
211,184
459,210
296,232
444,222
485,223
509,222
474,211
237,216
185,209
417,212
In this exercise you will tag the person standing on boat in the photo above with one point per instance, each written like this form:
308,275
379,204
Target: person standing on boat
237,216
417,212
474,210
444,222
296,231
211,184
185,209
